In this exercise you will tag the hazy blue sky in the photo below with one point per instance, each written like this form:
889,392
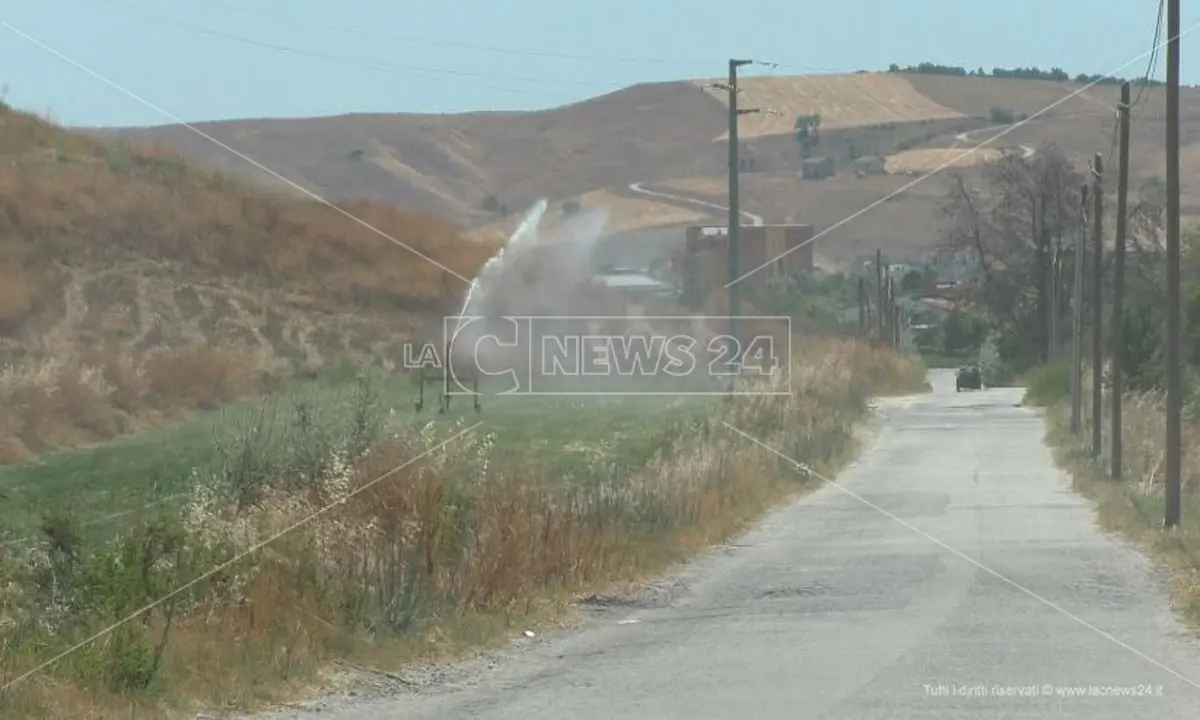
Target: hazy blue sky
215,59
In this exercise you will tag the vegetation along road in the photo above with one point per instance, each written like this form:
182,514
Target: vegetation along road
951,573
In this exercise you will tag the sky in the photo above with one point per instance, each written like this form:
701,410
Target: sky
197,60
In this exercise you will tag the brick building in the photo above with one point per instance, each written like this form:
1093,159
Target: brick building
705,262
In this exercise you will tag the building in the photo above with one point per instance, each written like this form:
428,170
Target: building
705,262
644,248
635,287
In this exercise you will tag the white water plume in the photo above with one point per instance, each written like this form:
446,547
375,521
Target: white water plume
537,272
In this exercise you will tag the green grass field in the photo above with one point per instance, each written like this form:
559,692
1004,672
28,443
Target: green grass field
151,472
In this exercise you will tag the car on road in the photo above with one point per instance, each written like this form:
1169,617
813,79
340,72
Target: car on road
968,378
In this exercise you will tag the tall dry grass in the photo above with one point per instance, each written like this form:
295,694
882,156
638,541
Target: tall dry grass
58,403
68,198
72,206
1134,505
449,551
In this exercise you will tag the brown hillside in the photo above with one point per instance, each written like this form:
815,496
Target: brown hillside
151,287
448,164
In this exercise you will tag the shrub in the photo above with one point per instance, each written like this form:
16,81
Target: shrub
1003,116
1048,385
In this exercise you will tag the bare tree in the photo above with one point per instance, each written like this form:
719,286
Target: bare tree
1008,220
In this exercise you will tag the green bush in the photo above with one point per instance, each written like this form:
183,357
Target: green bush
1048,385
1003,116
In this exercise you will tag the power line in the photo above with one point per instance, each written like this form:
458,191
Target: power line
1153,62
410,70
276,17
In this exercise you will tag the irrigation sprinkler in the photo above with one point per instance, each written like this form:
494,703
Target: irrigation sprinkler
443,375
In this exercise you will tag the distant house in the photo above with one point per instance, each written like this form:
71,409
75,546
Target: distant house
817,168
771,253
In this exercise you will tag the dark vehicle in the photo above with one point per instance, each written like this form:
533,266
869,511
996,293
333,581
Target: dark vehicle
968,378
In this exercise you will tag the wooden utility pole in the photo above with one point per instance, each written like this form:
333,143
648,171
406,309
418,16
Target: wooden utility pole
1077,317
1174,398
892,314
862,306
880,300
897,324
1053,293
1118,321
1097,302
735,215
891,292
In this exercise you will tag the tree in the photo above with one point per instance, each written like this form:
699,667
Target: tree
570,207
960,333
1009,222
807,133
1145,288
913,281
490,204
930,280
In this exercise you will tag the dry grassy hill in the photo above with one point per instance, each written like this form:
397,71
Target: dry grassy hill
133,286
842,101
658,133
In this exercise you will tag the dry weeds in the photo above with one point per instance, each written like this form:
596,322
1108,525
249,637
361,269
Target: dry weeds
1134,506
54,404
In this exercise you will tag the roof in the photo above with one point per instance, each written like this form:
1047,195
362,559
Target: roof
632,281
613,271
711,230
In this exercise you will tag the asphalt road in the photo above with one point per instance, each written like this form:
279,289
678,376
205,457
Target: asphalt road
637,188
880,606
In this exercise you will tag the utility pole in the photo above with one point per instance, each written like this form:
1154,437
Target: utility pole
892,314
1174,399
862,310
1097,302
891,310
880,301
1077,317
735,215
897,324
1118,320
1052,294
